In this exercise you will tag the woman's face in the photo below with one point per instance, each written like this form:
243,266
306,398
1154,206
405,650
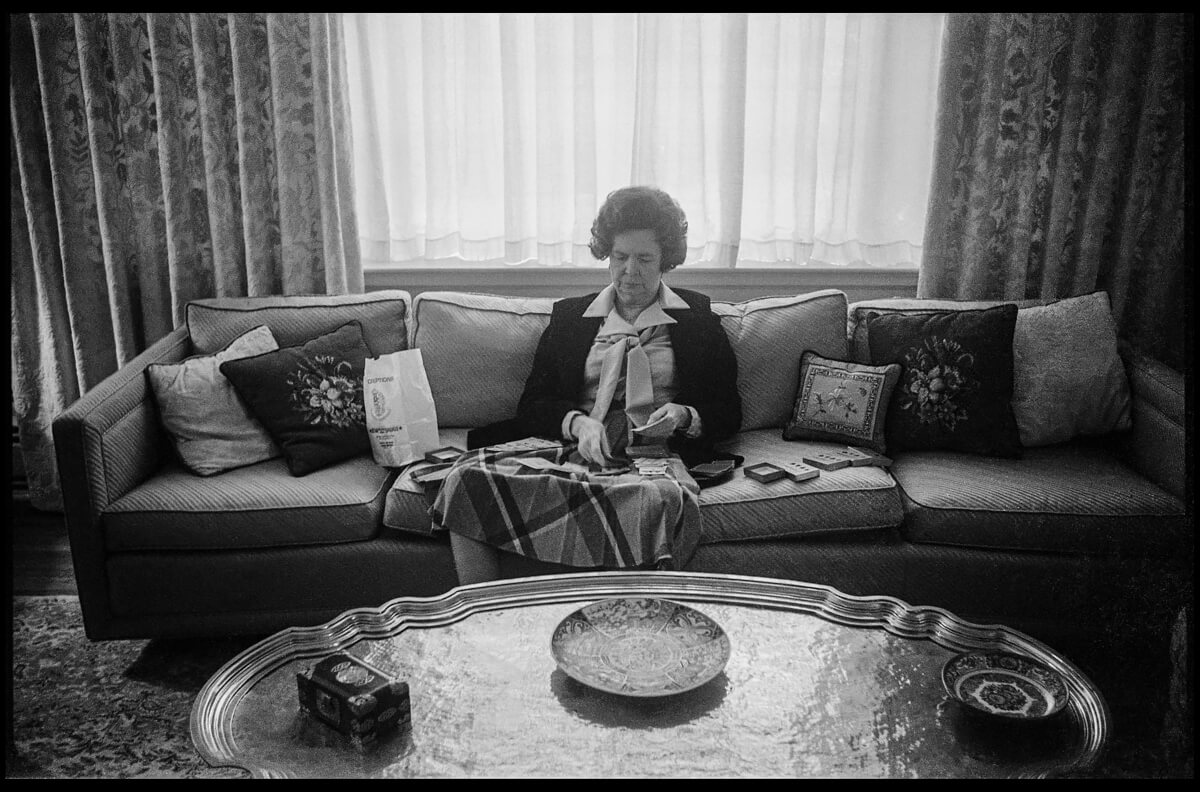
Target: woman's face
634,266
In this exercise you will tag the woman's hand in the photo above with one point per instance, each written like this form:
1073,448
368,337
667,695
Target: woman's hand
593,442
665,421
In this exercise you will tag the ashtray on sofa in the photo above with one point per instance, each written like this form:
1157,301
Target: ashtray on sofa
640,647
1005,684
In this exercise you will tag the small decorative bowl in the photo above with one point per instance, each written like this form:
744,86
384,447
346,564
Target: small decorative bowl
1005,685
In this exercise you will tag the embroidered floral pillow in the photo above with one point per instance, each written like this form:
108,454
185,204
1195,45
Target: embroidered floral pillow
842,402
309,397
955,391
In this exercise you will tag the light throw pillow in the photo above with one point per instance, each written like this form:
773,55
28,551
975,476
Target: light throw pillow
309,397
1068,377
768,335
842,402
955,392
208,423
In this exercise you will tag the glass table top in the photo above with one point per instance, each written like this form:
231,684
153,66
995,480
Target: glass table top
817,684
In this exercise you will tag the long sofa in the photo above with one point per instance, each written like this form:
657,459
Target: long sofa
1091,534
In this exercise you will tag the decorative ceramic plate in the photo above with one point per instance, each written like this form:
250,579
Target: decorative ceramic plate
1004,684
640,647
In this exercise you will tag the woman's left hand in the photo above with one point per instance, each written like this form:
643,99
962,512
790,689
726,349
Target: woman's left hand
665,421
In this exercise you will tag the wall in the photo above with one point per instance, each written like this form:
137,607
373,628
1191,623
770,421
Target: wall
719,284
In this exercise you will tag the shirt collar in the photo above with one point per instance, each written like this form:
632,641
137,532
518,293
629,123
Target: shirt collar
655,314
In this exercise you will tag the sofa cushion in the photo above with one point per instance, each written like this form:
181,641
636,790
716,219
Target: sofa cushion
309,397
208,423
1070,498
851,499
406,508
848,500
842,402
955,392
214,322
478,351
768,335
256,506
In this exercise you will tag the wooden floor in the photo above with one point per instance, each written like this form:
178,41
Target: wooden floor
1139,749
41,556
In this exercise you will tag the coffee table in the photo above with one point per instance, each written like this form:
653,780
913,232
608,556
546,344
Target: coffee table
818,684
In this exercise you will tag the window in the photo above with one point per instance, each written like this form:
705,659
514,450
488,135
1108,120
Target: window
789,139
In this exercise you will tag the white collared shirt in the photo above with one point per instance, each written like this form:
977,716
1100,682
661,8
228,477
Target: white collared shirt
657,345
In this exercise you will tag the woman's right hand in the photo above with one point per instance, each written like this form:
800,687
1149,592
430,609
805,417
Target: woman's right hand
593,442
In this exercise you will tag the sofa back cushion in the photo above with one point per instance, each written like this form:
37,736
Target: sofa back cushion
768,336
478,351
214,322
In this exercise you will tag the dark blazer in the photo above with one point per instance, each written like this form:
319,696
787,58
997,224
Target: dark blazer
705,367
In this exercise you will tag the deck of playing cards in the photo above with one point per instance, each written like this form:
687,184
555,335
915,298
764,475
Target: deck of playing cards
647,451
650,468
846,456
526,444
865,457
444,455
799,471
536,463
827,460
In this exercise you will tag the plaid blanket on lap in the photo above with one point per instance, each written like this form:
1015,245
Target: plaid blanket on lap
569,515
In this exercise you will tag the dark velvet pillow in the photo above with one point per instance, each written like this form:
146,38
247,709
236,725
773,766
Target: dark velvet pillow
955,392
309,398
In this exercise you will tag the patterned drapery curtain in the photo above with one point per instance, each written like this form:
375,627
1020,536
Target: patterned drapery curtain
1059,166
157,159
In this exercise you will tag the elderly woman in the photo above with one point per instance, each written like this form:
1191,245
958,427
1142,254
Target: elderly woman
637,355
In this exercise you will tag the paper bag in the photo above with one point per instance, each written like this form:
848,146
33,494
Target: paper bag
401,417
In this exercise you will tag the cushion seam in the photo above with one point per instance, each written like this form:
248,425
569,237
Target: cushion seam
987,510
1121,552
234,548
754,499
800,534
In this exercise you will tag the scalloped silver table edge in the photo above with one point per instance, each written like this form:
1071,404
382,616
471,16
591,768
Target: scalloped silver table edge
211,715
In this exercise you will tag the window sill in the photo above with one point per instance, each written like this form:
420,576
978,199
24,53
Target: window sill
728,285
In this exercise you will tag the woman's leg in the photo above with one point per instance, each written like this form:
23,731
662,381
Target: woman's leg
475,561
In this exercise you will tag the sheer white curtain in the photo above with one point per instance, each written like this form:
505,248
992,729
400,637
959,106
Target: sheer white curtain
492,139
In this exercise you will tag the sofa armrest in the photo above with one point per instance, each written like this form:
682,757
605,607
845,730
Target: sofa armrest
106,443
1156,445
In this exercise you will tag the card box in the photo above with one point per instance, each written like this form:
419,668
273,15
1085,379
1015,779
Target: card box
354,699
764,472
862,457
826,460
799,471
444,455
709,474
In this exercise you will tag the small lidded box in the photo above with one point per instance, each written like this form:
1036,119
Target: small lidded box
353,698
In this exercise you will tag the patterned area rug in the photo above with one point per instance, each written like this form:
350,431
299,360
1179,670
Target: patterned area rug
111,709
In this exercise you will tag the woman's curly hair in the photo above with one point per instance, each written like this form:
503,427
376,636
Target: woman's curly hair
635,208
